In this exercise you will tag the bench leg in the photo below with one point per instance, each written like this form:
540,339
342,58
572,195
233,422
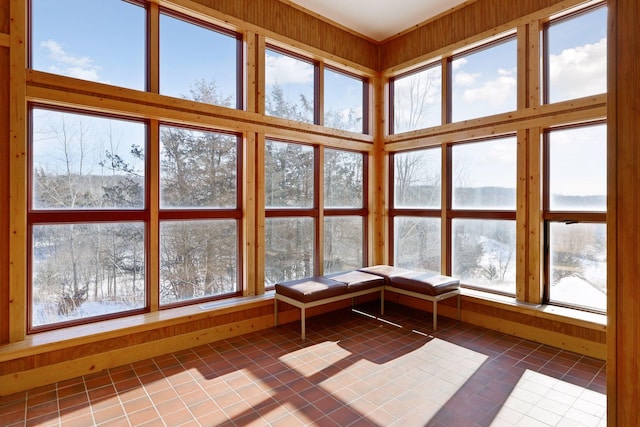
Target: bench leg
275,311
459,306
382,302
435,315
303,316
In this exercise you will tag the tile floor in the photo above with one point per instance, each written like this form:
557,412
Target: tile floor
354,369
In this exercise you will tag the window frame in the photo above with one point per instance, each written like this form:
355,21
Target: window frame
561,216
36,217
471,214
172,214
239,86
544,44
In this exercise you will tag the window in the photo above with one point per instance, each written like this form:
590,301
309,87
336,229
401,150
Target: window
293,246
344,210
210,74
291,211
291,90
416,99
484,80
200,214
345,101
575,215
483,210
87,217
416,211
575,55
77,39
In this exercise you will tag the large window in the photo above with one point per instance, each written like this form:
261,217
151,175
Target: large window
345,101
292,241
483,209
575,216
484,80
291,90
87,217
575,55
199,201
344,210
76,38
417,99
416,211
211,73
291,211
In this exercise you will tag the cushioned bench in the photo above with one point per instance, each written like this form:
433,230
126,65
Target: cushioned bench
314,291
428,286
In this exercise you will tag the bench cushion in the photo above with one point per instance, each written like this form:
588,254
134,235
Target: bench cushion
427,283
358,280
311,288
386,271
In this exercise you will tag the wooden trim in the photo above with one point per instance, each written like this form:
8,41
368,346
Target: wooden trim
63,91
249,236
259,167
17,172
153,231
5,40
379,180
534,281
580,110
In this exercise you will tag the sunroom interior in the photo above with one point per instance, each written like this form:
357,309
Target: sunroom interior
158,181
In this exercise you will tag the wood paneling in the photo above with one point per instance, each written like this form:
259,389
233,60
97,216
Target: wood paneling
453,29
623,252
4,194
291,22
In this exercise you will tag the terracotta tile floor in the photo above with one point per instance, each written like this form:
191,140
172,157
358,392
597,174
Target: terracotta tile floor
354,369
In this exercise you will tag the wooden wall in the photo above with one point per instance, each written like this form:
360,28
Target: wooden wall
4,171
623,369
277,17
476,18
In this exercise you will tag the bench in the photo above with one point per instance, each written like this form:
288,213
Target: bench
319,290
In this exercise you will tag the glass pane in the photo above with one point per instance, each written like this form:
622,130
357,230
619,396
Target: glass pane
197,169
484,253
343,96
290,84
80,271
343,179
577,62
485,82
207,74
578,255
417,100
76,38
417,179
198,259
578,169
485,175
289,177
416,243
288,249
343,243
86,162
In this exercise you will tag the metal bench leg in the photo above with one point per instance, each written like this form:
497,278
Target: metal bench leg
435,315
275,311
382,302
303,316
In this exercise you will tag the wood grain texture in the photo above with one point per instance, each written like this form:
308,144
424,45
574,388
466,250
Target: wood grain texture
623,253
286,20
454,29
4,195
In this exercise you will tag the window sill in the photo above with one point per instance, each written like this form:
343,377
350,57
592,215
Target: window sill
83,334
561,314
